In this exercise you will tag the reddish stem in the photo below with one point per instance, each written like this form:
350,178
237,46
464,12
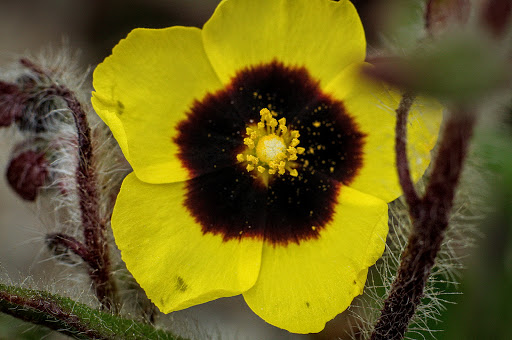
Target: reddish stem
95,233
40,304
70,243
404,173
430,216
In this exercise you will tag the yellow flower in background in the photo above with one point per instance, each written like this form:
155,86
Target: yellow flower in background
262,162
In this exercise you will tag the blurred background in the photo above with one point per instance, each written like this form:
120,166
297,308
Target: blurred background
93,27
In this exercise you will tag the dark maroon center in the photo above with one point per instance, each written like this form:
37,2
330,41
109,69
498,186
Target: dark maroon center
226,199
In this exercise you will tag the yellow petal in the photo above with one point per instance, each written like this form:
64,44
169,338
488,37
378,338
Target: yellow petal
301,287
322,35
373,106
173,261
144,88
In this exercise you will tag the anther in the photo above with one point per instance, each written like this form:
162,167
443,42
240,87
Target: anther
270,150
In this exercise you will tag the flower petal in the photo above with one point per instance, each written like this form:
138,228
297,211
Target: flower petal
145,88
301,287
373,106
322,35
164,248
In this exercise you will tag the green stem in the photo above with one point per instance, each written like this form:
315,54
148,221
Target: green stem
73,318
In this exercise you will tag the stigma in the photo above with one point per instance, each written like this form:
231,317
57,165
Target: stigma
271,148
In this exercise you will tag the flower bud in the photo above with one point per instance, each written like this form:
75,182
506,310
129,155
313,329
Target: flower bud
495,16
27,173
11,103
39,112
441,15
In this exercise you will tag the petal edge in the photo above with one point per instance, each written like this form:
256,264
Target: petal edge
174,262
142,98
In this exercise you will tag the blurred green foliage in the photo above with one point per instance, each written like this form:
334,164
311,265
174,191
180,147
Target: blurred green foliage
12,328
484,310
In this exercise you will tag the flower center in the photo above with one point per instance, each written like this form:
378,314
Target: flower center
271,146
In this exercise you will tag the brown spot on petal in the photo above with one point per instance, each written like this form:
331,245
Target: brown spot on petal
180,284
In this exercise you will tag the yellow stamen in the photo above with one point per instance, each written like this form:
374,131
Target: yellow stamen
252,159
269,150
249,142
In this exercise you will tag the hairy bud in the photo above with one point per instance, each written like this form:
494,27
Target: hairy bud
11,103
496,16
27,173
441,15
39,111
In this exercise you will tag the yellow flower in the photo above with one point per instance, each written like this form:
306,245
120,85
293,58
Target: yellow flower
262,162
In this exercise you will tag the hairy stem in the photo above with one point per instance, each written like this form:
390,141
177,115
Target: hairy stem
70,243
44,312
73,318
430,216
404,173
95,234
